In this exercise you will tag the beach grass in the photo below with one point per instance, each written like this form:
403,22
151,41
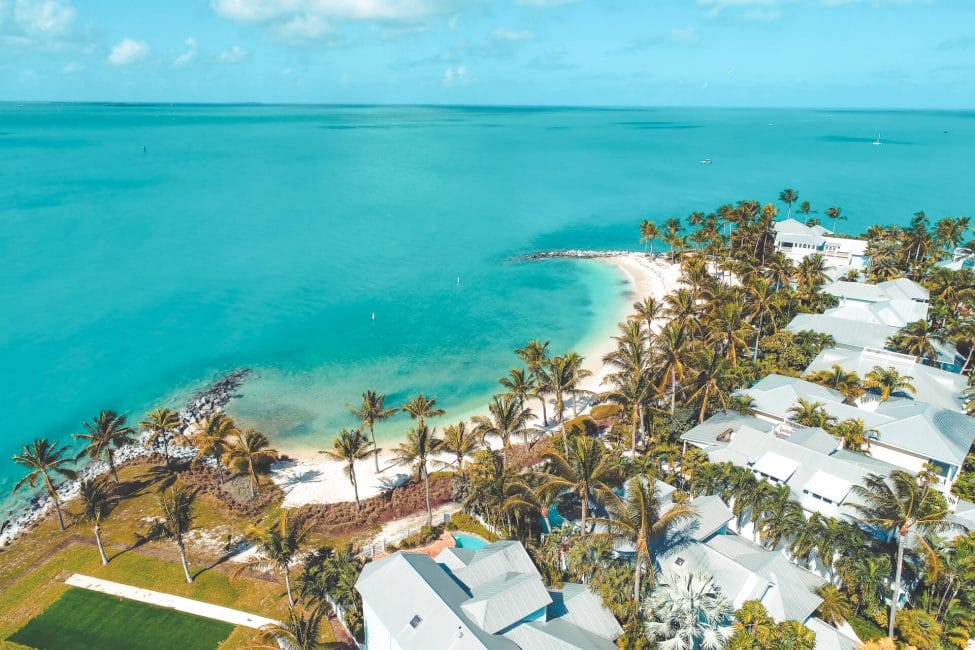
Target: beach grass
87,619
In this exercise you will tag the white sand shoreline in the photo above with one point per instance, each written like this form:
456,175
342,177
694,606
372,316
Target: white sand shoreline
309,478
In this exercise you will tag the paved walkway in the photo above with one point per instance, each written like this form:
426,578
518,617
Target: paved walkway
216,612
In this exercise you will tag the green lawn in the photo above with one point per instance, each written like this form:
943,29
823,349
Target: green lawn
88,619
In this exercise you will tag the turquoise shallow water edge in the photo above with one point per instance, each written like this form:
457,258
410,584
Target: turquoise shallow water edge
148,248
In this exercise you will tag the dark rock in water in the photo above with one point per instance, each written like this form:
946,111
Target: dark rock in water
574,254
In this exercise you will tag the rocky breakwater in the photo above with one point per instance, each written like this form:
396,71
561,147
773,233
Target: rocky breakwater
575,254
209,401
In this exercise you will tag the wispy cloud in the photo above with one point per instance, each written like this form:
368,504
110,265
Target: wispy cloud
41,24
235,54
128,51
501,34
187,57
455,75
546,3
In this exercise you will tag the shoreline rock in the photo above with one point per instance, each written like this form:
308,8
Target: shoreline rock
208,401
579,254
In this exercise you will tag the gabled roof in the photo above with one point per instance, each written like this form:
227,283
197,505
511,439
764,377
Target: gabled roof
934,386
494,560
776,394
576,604
792,593
926,430
829,638
895,313
505,600
557,635
898,289
851,333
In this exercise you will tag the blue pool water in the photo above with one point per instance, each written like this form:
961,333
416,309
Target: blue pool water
267,236
471,542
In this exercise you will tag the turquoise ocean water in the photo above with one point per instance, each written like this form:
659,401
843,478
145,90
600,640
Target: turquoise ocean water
267,236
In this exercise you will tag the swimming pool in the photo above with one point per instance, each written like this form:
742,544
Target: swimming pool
471,542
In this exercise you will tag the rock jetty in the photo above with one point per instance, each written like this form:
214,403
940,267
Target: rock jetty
575,254
209,401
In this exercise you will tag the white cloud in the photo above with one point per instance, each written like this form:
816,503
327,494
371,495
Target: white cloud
545,3
189,56
44,18
455,74
684,35
310,20
70,67
235,54
128,51
501,34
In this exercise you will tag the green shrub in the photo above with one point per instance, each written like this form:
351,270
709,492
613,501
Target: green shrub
604,411
423,537
468,524
581,425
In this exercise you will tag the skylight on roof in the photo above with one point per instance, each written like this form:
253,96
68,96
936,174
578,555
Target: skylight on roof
415,621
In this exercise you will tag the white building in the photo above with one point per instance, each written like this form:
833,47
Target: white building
797,240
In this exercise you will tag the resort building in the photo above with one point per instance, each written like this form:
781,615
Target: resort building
797,240
492,598
819,473
905,433
933,385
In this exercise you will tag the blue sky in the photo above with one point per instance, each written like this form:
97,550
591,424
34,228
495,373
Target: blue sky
837,53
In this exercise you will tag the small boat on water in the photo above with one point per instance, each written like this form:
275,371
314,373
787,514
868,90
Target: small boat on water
877,141
706,161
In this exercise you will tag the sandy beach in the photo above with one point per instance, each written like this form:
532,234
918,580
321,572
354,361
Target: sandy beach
311,479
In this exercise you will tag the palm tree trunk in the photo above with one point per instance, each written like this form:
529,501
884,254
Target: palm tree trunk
254,482
375,449
51,492
426,485
634,424
636,578
758,334
287,587
182,559
585,509
968,359
673,391
575,407
98,542
897,585
111,465
166,451
541,397
355,486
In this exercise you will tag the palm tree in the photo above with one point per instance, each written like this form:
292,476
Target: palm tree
212,438
162,424
836,214
349,447
918,339
811,414
508,418
648,233
520,384
907,508
788,196
648,310
854,433
461,442
104,432
690,612
42,459
420,444
811,272
630,390
578,374
805,210
888,381
637,517
586,468
97,500
178,514
301,631
561,378
372,410
710,386
835,608
673,351
535,355
763,303
278,546
421,407
251,453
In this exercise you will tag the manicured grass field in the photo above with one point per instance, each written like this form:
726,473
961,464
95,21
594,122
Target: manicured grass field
88,619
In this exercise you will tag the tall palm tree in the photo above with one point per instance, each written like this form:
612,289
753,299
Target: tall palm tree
673,349
918,339
42,458
630,389
420,444
689,612
788,196
300,631
507,418
212,439
372,410
561,378
251,453
811,414
520,384
97,500
349,447
836,214
177,506
106,431
648,233
637,517
578,374
888,381
586,468
710,386
461,442
805,210
647,310
907,508
763,303
835,608
421,407
535,356
278,546
854,433
162,424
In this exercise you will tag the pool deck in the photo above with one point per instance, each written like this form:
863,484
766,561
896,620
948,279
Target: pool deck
160,599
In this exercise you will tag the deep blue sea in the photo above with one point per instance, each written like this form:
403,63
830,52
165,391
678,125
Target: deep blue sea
146,249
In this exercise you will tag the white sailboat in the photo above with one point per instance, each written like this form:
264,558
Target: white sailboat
877,141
